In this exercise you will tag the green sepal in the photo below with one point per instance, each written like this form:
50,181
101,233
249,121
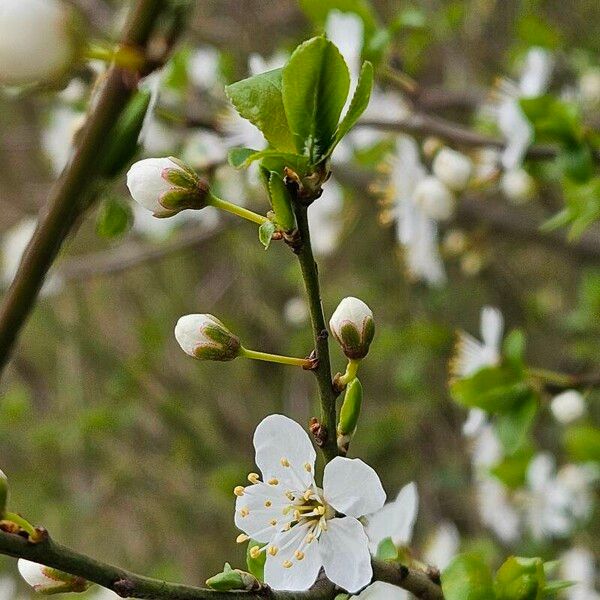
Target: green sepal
350,410
266,232
386,550
281,202
228,579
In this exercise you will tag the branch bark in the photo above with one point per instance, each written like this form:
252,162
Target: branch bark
69,197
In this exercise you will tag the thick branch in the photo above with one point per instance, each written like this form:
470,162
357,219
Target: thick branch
326,434
416,582
68,198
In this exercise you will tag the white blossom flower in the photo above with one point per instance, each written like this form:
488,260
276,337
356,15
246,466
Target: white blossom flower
203,148
296,519
379,590
203,68
38,42
470,354
434,198
417,232
295,311
517,185
579,565
496,510
238,132
8,588
396,520
452,168
353,327
57,137
204,337
568,406
443,545
325,219
50,581
257,64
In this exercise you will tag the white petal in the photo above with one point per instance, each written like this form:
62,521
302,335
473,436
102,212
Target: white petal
352,487
396,519
259,512
146,183
345,554
492,326
540,471
36,576
279,441
476,419
379,590
444,545
302,573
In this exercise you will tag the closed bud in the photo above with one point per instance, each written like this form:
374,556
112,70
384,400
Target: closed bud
436,200
453,169
3,494
232,579
518,186
281,202
166,186
350,410
46,580
204,337
353,327
568,406
39,41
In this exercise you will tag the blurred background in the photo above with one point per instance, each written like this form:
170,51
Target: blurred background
127,449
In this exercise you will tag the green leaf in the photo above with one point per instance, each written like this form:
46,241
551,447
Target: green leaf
386,550
520,579
583,442
493,389
513,348
512,427
358,105
265,233
271,160
553,119
114,218
512,471
240,157
576,162
256,566
467,577
315,86
281,202
259,100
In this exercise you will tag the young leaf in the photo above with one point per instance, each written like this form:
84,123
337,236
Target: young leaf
358,105
315,86
520,579
513,426
583,442
265,233
467,577
258,99
114,218
271,160
240,157
281,202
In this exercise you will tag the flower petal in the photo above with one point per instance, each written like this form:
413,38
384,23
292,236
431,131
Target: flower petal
285,571
492,326
396,519
345,554
379,590
259,512
352,487
279,441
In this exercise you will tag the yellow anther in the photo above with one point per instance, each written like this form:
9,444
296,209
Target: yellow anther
307,494
287,564
308,467
273,522
240,539
253,477
296,515
273,481
244,512
284,462
289,495
254,552
268,503
321,510
238,490
273,550
299,555
310,537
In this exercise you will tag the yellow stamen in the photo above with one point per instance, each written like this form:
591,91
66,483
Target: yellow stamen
273,550
268,503
296,515
238,490
321,510
244,512
284,462
287,564
273,522
273,481
310,537
307,494
289,495
254,552
240,539
253,477
308,467
299,555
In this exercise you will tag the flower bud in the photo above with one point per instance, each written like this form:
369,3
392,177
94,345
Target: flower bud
206,338
232,579
518,186
350,410
166,186
3,494
568,406
435,198
47,580
589,86
39,41
453,169
353,327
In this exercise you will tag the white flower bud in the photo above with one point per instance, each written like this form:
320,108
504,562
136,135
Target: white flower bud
453,169
518,186
206,338
436,200
166,186
589,86
353,327
38,41
568,406
47,580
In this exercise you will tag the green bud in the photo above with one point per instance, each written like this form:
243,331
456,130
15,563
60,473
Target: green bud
281,202
520,579
3,494
232,579
350,410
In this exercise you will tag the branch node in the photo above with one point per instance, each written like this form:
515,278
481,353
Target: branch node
318,431
124,588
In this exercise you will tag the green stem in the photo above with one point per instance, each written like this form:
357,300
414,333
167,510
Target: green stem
237,210
351,371
552,377
276,358
322,371
21,522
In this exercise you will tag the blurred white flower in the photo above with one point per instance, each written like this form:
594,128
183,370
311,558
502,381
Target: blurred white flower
443,546
470,354
295,311
434,198
203,68
589,87
58,135
579,565
38,41
203,148
417,232
453,169
496,511
517,185
297,521
475,422
238,132
380,590
8,588
325,219
568,406
257,64
486,449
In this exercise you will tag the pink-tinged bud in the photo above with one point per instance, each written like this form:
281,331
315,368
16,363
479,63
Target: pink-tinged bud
46,580
353,327
453,169
166,186
436,200
204,337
